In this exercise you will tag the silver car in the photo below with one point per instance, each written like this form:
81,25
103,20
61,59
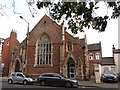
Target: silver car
19,77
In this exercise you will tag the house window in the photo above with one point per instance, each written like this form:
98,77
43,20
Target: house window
113,69
69,46
106,69
97,55
44,50
91,56
8,43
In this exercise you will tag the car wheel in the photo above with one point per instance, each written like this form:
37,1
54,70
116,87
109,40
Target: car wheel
68,84
25,82
42,83
10,81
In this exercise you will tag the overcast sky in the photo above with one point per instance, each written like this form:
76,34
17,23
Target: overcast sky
12,21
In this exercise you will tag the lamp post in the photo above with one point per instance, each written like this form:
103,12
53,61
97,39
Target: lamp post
1,65
1,40
26,43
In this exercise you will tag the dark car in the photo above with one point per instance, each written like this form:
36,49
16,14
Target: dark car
57,80
19,77
109,76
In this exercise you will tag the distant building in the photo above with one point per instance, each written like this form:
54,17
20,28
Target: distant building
107,63
8,46
95,54
111,63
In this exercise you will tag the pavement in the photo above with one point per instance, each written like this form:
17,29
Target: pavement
91,83
99,85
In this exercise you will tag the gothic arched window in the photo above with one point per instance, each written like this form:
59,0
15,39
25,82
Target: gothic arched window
44,50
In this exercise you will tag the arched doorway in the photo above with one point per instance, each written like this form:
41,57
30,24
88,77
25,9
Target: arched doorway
17,67
71,68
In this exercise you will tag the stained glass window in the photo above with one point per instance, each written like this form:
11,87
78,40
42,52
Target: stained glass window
44,49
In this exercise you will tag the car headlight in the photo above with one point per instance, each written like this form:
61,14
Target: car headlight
30,79
104,76
115,76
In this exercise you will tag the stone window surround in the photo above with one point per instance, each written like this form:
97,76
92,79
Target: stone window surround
67,47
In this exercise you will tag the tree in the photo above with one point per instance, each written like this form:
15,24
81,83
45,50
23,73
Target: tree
77,14
80,14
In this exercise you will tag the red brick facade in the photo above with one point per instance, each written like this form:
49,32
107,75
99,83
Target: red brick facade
61,57
8,46
97,49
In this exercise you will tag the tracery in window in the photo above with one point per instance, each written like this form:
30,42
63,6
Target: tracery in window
44,50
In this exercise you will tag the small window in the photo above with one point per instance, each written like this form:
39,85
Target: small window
91,56
8,43
97,55
69,46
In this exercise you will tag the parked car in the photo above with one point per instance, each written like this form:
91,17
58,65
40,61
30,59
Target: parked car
57,80
19,77
109,76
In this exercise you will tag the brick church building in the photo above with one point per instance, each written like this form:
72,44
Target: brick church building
49,48
7,49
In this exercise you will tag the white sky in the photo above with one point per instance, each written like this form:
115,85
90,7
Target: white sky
12,21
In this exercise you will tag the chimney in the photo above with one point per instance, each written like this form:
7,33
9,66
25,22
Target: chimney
13,34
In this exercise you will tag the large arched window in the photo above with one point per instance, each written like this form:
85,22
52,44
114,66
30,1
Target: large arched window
44,50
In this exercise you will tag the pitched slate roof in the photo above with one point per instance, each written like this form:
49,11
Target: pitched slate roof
82,42
107,61
94,47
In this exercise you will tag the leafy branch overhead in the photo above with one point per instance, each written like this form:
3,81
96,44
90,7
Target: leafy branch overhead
80,14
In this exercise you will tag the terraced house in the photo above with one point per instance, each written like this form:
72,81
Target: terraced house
49,48
95,55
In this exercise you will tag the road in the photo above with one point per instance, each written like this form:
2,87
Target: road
6,85
83,84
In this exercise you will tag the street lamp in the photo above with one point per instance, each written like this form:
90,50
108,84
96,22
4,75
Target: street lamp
1,40
26,42
1,65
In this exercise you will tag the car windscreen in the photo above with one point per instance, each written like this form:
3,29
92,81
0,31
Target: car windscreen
109,72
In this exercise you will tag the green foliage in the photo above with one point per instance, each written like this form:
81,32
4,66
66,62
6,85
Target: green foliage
80,14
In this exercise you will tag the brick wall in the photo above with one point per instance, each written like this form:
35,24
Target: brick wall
94,61
8,46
